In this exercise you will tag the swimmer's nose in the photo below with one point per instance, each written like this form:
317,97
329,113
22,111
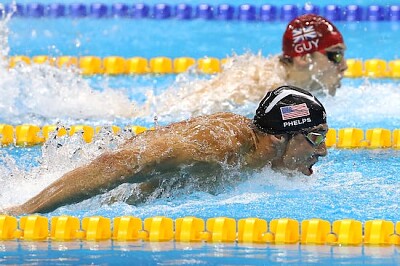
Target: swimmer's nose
343,65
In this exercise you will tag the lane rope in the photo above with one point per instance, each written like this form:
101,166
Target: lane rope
224,12
117,65
193,229
29,135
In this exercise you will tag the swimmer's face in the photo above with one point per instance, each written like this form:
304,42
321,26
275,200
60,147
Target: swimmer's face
327,68
303,150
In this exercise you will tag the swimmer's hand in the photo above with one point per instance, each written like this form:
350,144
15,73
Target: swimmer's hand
13,211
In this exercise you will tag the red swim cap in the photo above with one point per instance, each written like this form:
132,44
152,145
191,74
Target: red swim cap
309,33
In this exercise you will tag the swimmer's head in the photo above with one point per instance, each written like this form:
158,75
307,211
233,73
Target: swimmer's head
309,33
288,110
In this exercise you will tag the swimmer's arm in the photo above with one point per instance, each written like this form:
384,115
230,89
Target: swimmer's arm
104,173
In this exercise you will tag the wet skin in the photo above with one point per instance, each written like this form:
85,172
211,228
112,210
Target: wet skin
300,155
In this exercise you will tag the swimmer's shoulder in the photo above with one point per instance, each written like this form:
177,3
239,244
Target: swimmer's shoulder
217,117
231,117
236,124
217,120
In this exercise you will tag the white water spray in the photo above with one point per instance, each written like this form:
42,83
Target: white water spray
45,94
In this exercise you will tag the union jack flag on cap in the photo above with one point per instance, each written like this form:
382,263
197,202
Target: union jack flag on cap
303,34
309,33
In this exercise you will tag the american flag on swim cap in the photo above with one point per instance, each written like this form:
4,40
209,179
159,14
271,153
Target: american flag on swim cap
309,33
294,111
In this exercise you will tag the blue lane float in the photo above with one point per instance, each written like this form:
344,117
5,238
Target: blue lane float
394,13
353,13
289,12
56,10
140,10
77,10
310,9
268,12
183,11
17,9
375,13
120,10
98,10
247,12
205,11
332,12
34,10
161,11
225,12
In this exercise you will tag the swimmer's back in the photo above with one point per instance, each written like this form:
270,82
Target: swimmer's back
220,136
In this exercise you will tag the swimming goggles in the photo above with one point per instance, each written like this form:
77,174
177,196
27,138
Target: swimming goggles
314,138
335,56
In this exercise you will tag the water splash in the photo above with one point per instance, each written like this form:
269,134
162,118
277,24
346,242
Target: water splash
4,31
244,80
38,93
365,104
45,94
49,162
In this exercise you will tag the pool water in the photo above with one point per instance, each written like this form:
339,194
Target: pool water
195,38
174,253
358,184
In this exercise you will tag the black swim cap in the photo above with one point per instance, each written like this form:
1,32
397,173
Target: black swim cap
288,109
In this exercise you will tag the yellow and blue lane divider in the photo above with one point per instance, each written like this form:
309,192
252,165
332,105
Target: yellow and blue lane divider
350,138
117,65
193,229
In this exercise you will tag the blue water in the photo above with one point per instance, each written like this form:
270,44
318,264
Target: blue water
358,184
173,38
116,253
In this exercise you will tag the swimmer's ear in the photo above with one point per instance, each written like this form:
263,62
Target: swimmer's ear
278,140
302,61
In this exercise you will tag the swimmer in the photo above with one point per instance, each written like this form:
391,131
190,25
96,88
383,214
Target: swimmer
313,54
287,133
312,58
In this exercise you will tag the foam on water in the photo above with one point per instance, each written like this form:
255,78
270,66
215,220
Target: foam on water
42,93
243,81
45,94
56,157
254,190
371,103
